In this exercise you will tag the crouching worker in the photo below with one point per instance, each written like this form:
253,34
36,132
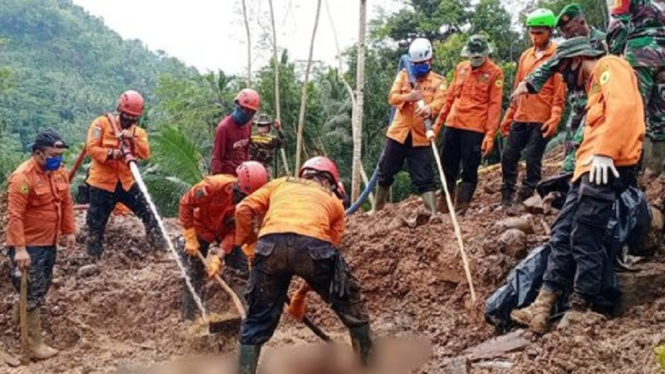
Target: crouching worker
207,216
300,235
606,166
40,209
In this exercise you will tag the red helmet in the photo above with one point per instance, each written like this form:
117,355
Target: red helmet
323,165
251,176
131,102
248,98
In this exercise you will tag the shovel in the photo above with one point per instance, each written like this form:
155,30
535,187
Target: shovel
225,324
23,314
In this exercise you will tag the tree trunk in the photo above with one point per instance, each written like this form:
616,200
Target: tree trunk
303,96
278,117
249,45
357,122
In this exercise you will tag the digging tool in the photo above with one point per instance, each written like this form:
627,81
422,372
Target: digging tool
310,325
225,324
77,164
23,314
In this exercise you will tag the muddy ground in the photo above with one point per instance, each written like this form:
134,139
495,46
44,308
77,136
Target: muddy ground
122,314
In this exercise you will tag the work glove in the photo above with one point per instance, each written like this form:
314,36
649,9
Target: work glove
600,168
191,242
214,266
297,306
505,128
487,146
430,135
549,128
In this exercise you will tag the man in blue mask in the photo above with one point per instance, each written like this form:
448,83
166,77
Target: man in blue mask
39,212
233,133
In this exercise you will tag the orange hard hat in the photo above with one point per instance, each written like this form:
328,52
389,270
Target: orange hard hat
131,102
251,176
248,98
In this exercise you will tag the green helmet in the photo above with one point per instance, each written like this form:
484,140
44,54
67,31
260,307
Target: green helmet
541,18
477,43
579,46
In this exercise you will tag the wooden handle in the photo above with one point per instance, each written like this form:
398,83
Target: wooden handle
226,288
23,314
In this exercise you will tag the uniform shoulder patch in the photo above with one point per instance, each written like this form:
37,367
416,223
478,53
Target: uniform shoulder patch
97,132
604,77
498,83
200,193
24,188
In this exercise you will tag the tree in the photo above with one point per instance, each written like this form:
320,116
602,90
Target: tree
303,97
278,116
249,45
357,124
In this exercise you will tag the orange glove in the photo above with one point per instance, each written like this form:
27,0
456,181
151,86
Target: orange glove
488,145
191,242
505,128
549,128
228,241
214,266
297,306
248,250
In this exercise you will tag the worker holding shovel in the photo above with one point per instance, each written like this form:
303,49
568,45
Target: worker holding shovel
471,116
303,224
207,215
40,210
110,178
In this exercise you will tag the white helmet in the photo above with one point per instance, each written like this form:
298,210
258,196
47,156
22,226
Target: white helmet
420,50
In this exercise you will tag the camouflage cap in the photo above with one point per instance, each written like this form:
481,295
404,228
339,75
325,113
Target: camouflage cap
571,11
263,120
477,44
579,46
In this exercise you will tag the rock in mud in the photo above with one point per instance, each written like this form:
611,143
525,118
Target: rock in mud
642,286
513,243
88,271
534,204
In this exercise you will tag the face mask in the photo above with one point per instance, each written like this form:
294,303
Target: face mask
126,122
477,60
53,163
420,70
539,40
240,116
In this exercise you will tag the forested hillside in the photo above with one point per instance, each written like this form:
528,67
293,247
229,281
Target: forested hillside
66,67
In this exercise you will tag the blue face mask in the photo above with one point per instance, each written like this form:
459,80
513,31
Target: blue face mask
240,116
420,70
53,163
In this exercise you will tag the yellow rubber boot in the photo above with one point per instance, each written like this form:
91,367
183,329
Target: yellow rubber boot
537,315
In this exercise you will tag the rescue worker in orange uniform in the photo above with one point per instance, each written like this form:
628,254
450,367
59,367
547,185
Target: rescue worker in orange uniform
607,164
40,210
232,137
207,215
471,116
532,120
300,235
110,178
406,138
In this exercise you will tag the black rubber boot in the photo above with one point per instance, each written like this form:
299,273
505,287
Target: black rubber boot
361,340
94,246
248,359
506,198
464,196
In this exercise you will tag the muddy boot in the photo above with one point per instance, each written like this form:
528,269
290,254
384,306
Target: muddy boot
441,201
94,246
580,310
361,340
249,359
38,349
380,198
464,197
524,193
506,198
429,199
537,315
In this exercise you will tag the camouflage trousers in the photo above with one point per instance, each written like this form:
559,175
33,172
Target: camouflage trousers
40,274
651,82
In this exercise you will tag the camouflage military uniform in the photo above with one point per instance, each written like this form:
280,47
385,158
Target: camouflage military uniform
637,32
576,99
262,148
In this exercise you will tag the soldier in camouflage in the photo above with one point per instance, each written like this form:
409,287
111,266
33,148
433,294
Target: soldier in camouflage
637,32
263,145
571,23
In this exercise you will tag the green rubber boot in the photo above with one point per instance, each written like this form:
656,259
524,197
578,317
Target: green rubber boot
429,198
361,340
249,359
381,197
